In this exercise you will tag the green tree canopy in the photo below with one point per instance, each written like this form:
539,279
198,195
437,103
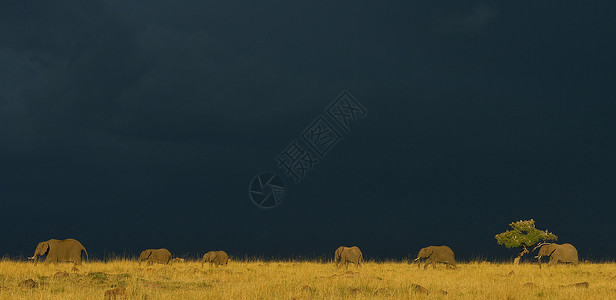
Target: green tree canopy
523,234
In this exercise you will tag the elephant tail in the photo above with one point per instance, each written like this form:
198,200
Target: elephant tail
84,250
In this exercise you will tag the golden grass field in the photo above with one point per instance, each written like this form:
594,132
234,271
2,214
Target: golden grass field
306,280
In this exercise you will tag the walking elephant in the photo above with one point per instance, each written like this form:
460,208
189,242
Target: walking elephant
346,255
68,250
434,254
565,253
150,256
216,258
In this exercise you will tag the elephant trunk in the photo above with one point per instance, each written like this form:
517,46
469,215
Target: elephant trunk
35,258
539,261
418,263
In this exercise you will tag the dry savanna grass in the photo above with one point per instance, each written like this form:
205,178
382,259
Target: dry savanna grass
125,279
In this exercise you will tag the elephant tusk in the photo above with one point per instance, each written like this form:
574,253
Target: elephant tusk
416,259
31,257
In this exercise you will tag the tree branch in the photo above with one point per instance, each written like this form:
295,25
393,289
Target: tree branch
539,245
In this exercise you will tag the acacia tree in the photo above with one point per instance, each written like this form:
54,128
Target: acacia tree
524,235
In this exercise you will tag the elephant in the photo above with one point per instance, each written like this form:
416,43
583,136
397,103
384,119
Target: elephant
161,256
348,255
434,254
216,258
68,250
565,253
176,260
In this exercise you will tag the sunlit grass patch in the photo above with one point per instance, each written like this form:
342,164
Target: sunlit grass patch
259,279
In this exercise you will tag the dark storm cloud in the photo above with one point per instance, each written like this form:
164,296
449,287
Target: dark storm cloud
143,123
480,16
118,93
100,74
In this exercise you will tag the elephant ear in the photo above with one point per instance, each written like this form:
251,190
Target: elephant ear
429,251
551,249
44,248
338,252
148,253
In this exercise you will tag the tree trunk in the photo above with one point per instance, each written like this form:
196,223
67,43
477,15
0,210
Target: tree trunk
516,260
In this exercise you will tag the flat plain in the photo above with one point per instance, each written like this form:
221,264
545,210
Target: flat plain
126,279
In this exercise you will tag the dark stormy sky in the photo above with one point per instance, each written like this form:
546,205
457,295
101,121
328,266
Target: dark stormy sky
139,124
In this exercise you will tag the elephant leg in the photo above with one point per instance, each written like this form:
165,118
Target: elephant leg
434,264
